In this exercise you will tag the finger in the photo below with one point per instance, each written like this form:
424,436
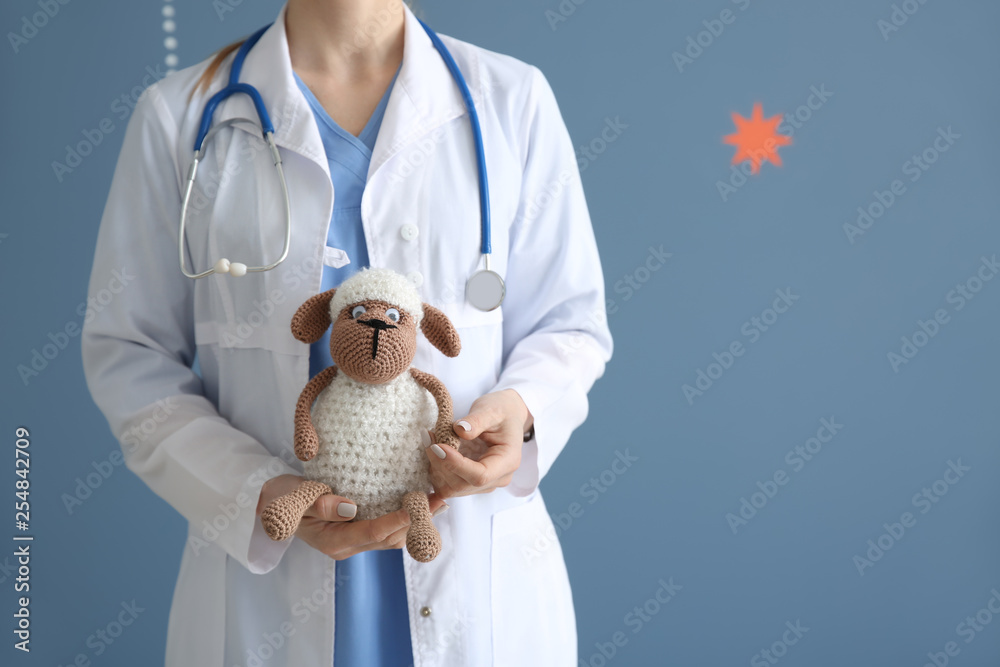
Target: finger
329,507
437,504
433,439
498,461
395,541
346,535
450,482
371,531
472,449
446,482
478,421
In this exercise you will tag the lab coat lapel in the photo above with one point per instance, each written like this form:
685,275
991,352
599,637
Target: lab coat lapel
423,98
268,67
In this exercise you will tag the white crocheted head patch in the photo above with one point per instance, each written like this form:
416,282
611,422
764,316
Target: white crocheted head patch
380,285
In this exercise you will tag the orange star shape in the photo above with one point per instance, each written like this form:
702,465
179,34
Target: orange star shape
757,138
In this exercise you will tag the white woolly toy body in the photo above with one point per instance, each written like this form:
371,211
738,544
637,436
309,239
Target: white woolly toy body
371,441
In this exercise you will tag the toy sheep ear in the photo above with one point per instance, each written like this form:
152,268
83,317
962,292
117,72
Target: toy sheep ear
312,319
440,331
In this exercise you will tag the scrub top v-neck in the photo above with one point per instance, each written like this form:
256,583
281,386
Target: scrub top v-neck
372,627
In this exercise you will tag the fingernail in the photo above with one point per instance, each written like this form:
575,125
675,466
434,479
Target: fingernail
438,452
441,510
466,426
347,510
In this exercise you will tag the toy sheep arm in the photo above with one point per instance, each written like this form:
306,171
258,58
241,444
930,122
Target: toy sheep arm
443,433
306,440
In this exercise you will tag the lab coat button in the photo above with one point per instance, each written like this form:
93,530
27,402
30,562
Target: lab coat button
425,611
409,232
416,278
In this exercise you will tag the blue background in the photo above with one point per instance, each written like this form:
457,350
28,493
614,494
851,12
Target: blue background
656,184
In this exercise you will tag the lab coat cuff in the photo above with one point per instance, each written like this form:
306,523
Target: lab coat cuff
263,554
555,418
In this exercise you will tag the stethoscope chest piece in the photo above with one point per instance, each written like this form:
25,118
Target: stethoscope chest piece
485,289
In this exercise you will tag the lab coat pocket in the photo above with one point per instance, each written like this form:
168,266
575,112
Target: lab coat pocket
246,312
238,214
532,601
476,369
464,315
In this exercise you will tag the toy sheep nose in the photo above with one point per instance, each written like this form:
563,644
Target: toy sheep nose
376,324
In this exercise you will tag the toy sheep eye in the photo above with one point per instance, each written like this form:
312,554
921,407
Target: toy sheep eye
392,314
357,311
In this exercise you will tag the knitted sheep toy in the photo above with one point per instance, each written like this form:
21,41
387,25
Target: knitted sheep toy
363,436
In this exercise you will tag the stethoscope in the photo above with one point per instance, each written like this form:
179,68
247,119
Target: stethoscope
484,289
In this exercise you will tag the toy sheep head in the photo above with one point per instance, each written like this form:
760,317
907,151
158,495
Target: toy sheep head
375,316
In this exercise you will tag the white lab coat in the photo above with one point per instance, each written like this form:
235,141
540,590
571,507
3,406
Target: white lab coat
498,594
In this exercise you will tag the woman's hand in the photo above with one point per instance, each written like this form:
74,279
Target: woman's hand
492,435
327,527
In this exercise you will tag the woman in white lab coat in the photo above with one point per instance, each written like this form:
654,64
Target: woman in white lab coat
498,594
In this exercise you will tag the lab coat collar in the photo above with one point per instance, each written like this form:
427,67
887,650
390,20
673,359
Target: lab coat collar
423,98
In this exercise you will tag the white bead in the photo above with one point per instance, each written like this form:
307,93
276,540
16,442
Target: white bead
236,269
222,266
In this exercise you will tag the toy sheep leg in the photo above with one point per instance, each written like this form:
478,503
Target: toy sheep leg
282,515
422,539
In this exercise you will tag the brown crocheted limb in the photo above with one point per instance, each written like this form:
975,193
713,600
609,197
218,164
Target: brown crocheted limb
282,515
306,440
443,433
423,540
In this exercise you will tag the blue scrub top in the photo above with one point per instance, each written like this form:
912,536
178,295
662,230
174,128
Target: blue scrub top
372,618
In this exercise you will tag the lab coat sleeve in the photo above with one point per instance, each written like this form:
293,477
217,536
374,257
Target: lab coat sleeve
138,345
556,338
